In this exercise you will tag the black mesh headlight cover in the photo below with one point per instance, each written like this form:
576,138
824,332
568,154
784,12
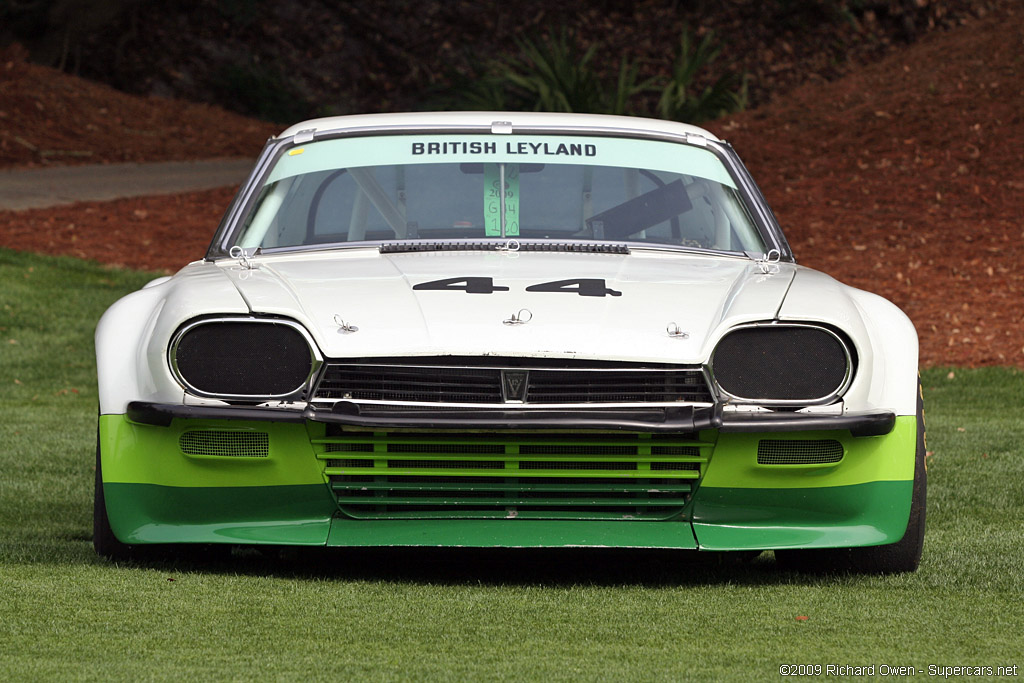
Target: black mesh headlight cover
780,363
242,358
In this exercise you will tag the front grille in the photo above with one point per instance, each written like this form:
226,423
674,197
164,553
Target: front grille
479,381
410,383
799,452
457,475
622,386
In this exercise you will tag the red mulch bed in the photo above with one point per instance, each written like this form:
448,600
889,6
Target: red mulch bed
48,117
151,233
905,178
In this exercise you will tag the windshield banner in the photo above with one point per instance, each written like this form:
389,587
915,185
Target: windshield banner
393,150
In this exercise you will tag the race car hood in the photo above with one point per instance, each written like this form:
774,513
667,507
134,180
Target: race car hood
571,305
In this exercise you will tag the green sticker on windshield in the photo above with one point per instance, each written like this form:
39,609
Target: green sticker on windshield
492,200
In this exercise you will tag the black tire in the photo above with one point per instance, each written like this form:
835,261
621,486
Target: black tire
104,542
894,558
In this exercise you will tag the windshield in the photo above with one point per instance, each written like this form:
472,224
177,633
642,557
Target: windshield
438,187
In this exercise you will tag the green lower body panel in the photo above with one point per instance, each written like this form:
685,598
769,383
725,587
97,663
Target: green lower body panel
290,515
844,516
512,533
231,481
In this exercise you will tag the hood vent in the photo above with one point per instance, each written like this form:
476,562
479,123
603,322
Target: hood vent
399,247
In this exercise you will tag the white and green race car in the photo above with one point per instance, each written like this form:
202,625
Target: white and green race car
509,330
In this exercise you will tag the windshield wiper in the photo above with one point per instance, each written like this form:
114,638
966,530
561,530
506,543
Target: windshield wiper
403,246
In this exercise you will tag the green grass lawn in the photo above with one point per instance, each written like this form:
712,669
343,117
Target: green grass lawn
432,614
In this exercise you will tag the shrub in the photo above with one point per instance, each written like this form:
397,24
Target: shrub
553,74
679,102
548,75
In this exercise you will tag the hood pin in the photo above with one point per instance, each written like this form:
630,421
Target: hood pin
769,263
242,255
343,326
520,317
675,332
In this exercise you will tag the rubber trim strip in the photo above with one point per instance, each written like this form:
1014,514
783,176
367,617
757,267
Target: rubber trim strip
874,423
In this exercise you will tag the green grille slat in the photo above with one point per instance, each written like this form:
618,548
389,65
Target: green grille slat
446,487
510,502
513,472
491,457
510,439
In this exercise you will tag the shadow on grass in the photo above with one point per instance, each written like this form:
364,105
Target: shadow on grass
495,566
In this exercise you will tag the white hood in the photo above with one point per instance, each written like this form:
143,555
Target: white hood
702,294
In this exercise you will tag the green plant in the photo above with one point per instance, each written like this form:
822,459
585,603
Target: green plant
554,74
627,85
551,75
680,100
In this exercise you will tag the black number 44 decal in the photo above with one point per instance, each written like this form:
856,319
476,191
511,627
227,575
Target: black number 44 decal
485,285
469,285
583,287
